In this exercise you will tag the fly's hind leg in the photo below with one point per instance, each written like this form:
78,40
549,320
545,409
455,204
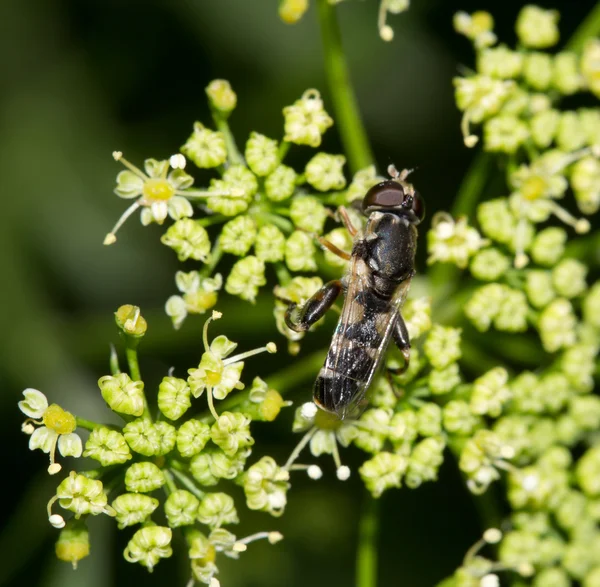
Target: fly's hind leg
301,318
402,340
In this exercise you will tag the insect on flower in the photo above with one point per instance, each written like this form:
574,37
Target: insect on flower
376,284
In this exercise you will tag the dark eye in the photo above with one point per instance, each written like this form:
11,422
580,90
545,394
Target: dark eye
418,206
387,194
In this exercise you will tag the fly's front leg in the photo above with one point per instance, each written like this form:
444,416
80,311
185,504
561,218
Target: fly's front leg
402,340
301,318
347,221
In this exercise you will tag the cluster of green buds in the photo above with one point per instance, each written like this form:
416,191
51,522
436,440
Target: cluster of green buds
291,11
516,95
156,473
257,209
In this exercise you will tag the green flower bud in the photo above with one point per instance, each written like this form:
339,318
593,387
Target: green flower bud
585,181
181,508
261,154
568,278
306,120
499,62
221,97
425,461
73,543
133,508
382,472
571,134
552,577
217,509
300,252
543,127
372,429
192,437
537,70
265,485
280,185
591,305
556,325
324,172
143,477
142,436
429,418
188,239
307,213
107,446
478,459
540,487
246,276
382,395
230,199
592,579
537,28
205,147
585,411
490,392
263,404
442,346
504,133
362,181
341,238
514,431
82,496
148,546
458,418
538,286
527,393
512,316
270,244
496,220
167,436
238,235
479,28
481,95
208,467
291,11
451,241
566,77
444,380
489,264
549,246
519,548
571,510
122,394
231,432
517,103
590,120
173,397
578,559
577,363
201,468
130,321
404,428
555,391
589,66
484,305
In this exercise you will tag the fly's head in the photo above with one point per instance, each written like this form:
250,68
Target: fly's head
397,196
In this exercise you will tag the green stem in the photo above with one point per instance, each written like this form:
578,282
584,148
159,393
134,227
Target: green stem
366,559
588,29
352,132
114,361
87,424
132,362
187,483
215,257
233,154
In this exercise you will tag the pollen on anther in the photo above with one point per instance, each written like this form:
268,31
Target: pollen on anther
54,468
314,472
271,347
177,161
110,239
117,155
274,537
309,410
57,521
343,473
492,535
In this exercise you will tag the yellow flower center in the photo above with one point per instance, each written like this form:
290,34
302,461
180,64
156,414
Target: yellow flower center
213,377
59,420
158,189
200,301
533,188
326,421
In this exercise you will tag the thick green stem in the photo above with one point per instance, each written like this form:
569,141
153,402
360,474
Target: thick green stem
347,116
132,362
588,29
366,557
233,154
87,424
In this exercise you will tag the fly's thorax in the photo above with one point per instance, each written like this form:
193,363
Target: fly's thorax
389,246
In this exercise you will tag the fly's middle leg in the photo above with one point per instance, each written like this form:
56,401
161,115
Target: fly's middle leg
301,318
402,340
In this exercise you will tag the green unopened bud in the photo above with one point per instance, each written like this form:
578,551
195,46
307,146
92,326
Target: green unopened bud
585,410
372,430
263,404
205,147
324,172
512,316
217,509
231,432
499,62
429,417
481,96
577,363
543,127
484,305
167,436
81,495
133,508
306,120
587,472
585,181
192,437
341,238
477,26
442,346
425,461
590,66
591,305
122,394
537,28
556,325
458,418
201,467
549,246
552,577
538,286
404,427
217,466
452,241
300,252
107,446
238,235
280,185
504,134
490,393
382,472
496,220
307,213
261,154
537,70
478,457
444,380
489,264
246,276
188,239
221,97
143,477
130,321
527,393
181,508
270,244
174,397
148,546
73,543
570,134
568,278
566,77
265,485
142,437
291,11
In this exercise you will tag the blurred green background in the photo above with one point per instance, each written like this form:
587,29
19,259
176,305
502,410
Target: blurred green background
81,78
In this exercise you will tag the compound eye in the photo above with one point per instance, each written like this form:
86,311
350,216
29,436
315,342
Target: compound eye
418,206
387,194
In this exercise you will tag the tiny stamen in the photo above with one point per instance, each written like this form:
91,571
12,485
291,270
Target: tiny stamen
343,473
118,156
177,161
581,225
469,139
55,520
242,356
385,31
111,237
299,447
211,405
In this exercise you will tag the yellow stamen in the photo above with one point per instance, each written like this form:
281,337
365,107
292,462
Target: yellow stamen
158,189
111,237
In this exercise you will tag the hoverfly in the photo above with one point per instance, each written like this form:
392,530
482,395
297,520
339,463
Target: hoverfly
375,285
